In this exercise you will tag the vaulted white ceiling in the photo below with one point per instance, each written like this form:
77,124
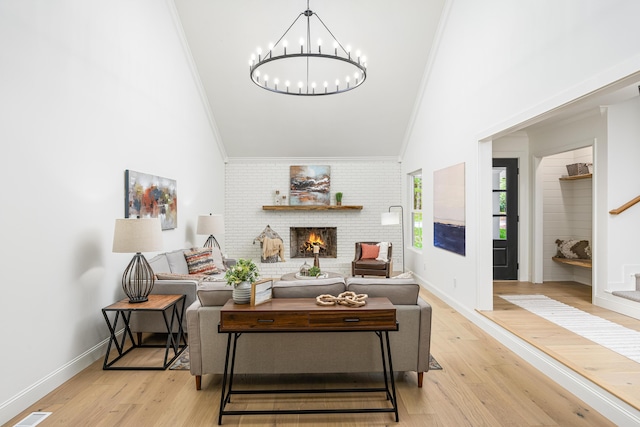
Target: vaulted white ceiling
368,122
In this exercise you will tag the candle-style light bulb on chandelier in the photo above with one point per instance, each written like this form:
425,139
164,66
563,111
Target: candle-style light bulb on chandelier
313,69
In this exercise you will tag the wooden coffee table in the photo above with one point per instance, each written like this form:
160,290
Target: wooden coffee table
304,315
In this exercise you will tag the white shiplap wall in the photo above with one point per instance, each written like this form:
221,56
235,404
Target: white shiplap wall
568,207
249,185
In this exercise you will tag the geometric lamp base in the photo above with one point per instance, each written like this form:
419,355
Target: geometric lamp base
138,279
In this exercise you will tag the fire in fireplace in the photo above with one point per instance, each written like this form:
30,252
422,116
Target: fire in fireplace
303,239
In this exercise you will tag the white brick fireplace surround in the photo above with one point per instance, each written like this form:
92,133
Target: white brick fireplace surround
249,185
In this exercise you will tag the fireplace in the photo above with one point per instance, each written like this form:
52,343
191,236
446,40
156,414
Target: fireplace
303,239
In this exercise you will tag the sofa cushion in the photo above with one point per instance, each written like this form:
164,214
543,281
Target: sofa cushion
369,251
399,291
200,261
308,288
177,262
159,264
214,294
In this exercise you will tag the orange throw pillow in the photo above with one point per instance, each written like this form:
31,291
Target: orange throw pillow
370,251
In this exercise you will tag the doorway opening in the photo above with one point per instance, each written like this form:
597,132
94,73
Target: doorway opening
505,219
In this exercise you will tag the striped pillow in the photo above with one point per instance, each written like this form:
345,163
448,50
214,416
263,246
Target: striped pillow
200,261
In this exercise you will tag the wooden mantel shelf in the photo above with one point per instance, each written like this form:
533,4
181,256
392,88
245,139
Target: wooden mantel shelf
311,208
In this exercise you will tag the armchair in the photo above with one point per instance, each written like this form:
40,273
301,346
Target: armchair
371,266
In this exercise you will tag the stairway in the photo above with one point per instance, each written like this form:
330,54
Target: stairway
631,295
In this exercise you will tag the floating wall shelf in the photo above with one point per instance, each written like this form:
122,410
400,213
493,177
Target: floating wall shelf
574,177
311,208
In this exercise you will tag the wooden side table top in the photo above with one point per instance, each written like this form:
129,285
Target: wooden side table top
155,302
303,314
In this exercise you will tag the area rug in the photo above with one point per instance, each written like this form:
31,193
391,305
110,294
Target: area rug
623,341
182,363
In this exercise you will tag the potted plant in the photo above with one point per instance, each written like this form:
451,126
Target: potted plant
339,199
241,275
314,271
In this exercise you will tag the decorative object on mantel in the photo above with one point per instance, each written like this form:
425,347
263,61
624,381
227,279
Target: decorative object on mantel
279,199
310,185
339,198
347,298
137,236
150,196
241,276
271,244
392,218
210,224
306,69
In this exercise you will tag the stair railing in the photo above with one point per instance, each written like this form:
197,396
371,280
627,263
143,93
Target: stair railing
625,206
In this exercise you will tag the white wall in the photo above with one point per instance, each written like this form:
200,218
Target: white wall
89,89
624,185
251,184
524,59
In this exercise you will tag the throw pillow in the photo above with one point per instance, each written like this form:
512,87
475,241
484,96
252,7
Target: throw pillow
574,249
200,261
383,255
369,251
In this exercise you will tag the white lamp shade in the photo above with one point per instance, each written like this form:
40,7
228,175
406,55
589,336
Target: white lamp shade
210,224
133,235
389,218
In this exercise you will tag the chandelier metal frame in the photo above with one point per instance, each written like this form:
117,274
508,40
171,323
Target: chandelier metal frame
306,89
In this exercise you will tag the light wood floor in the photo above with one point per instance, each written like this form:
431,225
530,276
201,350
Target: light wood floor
482,384
611,371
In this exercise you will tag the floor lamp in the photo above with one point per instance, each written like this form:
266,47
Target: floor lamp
210,224
392,218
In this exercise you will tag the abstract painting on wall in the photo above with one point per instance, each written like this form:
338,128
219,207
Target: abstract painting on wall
448,209
310,185
150,196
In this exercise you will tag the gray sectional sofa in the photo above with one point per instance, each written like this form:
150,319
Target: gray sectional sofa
172,277
312,352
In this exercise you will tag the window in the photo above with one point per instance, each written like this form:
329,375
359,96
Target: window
416,209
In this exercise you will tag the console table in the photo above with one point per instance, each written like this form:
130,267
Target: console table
159,303
304,315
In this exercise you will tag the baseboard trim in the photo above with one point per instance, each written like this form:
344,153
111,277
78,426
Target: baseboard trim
27,397
610,406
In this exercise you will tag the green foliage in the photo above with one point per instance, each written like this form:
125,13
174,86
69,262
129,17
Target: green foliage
245,270
338,197
314,271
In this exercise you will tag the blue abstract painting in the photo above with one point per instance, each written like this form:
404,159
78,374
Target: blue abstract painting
449,209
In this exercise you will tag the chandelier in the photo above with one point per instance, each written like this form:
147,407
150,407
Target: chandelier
308,69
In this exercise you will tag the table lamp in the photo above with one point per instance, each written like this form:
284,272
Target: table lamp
210,224
135,236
